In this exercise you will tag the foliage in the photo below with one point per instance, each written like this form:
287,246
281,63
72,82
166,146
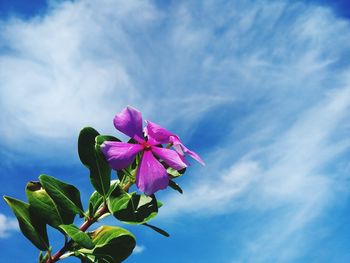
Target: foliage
54,203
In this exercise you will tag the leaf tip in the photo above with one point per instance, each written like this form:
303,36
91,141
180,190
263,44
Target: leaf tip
6,198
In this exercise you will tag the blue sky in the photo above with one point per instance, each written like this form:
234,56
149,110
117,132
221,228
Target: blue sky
261,89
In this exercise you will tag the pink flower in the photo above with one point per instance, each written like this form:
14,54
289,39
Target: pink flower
162,135
151,175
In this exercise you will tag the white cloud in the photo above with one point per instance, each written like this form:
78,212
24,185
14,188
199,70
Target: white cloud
58,74
139,249
290,141
287,176
83,61
280,65
80,64
7,225
214,194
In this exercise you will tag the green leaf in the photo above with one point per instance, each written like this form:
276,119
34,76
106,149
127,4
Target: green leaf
95,201
31,227
66,196
120,174
84,257
44,257
44,206
91,210
175,186
175,173
99,139
93,159
128,174
41,256
78,236
112,244
132,208
157,229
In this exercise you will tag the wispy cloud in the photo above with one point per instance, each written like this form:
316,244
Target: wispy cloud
287,178
64,70
261,87
286,145
139,249
280,171
7,225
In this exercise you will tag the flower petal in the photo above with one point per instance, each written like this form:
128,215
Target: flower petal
120,154
158,133
129,122
194,155
171,157
162,135
151,176
182,149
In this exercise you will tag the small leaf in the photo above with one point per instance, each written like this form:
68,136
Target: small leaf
114,185
120,174
157,229
112,244
99,139
175,173
132,208
41,256
91,210
95,201
45,257
118,200
44,206
128,174
93,159
175,186
85,258
66,196
78,236
31,227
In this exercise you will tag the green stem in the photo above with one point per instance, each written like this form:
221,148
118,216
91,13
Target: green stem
83,228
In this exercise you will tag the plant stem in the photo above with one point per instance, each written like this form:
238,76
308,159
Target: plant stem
83,227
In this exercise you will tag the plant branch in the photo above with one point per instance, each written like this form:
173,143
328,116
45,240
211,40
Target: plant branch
103,210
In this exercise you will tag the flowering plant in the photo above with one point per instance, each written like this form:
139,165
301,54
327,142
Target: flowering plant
146,160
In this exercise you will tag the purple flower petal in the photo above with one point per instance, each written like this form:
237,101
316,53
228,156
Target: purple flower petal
182,157
151,176
194,155
162,135
129,122
171,157
120,154
158,133
182,149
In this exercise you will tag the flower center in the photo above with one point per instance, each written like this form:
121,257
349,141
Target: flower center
146,146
